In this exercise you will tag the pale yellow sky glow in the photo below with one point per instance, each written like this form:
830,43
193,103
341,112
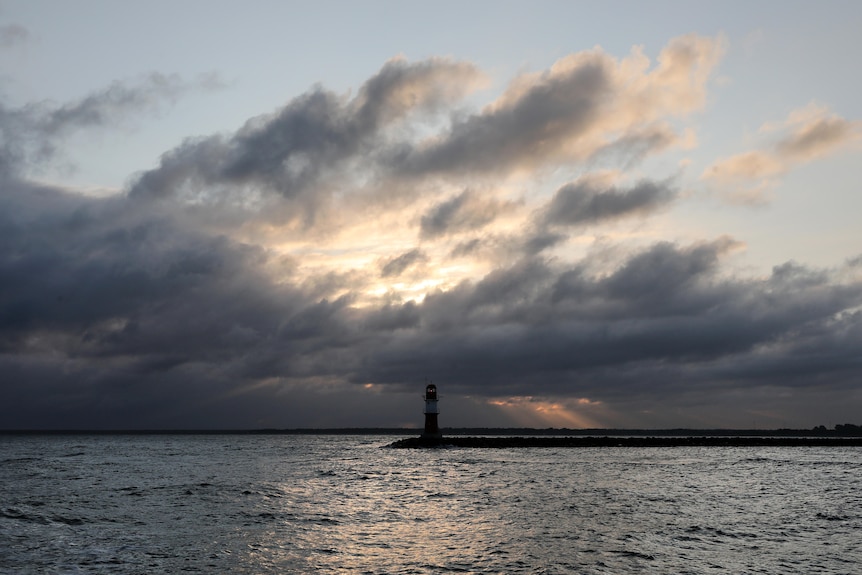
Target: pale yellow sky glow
541,413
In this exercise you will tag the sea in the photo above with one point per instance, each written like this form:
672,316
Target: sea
257,504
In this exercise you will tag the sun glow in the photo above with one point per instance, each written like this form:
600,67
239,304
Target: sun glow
531,411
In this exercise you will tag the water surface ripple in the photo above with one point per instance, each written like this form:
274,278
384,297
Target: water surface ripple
342,504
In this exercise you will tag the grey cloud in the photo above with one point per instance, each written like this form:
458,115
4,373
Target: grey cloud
807,134
815,138
282,153
321,319
791,274
635,145
104,304
112,104
400,88
392,317
398,265
31,134
126,312
466,248
585,107
309,138
540,241
286,150
332,284
664,271
504,248
465,212
587,202
532,330
526,129
103,280
12,35
441,216
662,280
503,295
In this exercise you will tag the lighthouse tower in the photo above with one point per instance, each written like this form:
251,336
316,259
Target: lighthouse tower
431,429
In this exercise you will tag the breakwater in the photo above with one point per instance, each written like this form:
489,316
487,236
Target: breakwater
606,441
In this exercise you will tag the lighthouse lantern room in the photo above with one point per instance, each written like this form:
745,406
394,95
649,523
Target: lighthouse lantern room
431,428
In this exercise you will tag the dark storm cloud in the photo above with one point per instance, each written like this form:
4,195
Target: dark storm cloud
664,314
663,274
116,281
504,295
113,315
588,202
392,317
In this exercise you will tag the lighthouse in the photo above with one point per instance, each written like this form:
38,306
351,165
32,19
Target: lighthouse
431,429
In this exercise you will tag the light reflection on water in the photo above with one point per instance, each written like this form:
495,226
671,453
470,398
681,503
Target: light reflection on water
334,504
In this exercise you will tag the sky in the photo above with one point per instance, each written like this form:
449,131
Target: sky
234,215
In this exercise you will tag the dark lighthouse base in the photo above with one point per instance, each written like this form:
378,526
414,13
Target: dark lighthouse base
431,431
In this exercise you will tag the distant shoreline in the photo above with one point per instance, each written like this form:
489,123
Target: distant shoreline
459,434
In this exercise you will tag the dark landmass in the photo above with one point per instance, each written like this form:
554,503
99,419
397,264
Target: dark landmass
840,431
297,431
628,441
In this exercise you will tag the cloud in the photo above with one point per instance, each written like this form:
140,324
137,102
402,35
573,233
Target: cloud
31,134
592,200
12,35
338,250
107,305
401,88
309,139
749,166
467,211
665,314
110,105
396,266
585,104
806,135
814,132
388,145
98,268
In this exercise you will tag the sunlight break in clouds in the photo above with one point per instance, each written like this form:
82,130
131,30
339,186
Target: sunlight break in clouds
584,104
541,413
333,171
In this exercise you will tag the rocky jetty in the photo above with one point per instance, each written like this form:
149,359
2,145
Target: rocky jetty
697,441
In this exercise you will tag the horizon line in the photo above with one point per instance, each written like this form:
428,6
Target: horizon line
358,430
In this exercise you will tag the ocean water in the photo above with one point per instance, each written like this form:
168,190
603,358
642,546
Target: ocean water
343,504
